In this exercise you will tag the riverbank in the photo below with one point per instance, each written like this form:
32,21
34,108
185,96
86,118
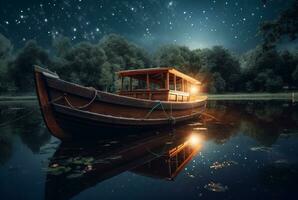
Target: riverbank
18,98
238,96
290,96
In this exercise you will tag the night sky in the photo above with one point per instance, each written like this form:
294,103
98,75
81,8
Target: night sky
148,23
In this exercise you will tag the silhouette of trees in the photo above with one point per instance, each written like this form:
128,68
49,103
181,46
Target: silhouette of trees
268,70
81,63
20,70
5,53
95,65
285,26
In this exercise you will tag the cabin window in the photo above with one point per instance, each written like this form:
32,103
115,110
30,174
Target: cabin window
125,84
179,84
139,84
156,81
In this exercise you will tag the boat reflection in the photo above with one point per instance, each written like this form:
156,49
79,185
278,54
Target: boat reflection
76,167
169,164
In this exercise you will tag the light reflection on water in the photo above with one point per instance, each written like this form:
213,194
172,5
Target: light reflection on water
237,150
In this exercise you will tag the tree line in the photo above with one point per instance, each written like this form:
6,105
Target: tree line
95,65
263,69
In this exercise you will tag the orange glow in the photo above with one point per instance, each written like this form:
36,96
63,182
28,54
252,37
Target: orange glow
194,140
194,89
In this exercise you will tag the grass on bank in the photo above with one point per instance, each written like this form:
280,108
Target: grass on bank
237,96
292,96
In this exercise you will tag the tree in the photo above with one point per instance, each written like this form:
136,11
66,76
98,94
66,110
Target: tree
195,62
21,69
295,75
107,77
219,60
289,62
285,25
218,84
268,81
173,56
82,64
263,70
5,47
123,53
5,56
62,45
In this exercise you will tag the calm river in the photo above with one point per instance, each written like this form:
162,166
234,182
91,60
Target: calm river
237,150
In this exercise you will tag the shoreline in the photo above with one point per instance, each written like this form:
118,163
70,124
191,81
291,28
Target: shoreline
291,96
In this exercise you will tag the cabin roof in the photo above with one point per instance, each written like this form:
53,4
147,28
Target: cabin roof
171,70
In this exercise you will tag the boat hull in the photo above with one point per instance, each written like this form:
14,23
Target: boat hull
74,111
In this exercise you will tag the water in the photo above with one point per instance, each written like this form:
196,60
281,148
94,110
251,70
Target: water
240,150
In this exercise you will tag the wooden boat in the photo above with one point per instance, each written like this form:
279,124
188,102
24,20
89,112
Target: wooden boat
74,111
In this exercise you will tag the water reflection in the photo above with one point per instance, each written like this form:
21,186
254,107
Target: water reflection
281,172
24,121
80,166
234,148
265,122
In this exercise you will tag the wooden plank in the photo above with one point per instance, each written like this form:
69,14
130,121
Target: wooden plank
109,119
157,70
167,81
142,71
147,82
46,107
184,76
130,83
175,83
122,81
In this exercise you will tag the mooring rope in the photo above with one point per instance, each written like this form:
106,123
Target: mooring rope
73,106
154,107
83,106
56,99
159,103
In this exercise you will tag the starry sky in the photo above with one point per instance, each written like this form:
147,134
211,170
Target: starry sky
148,23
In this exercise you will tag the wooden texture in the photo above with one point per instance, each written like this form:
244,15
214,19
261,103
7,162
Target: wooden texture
45,106
157,71
69,107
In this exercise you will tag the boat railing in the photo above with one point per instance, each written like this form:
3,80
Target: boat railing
158,94
175,95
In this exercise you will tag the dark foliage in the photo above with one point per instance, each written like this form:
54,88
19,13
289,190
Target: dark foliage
21,68
95,65
285,25
5,53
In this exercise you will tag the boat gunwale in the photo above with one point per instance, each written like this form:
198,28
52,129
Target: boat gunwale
110,119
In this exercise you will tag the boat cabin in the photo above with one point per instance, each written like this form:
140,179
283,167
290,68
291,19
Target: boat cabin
164,84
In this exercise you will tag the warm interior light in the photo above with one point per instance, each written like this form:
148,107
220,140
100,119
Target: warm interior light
194,139
194,89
